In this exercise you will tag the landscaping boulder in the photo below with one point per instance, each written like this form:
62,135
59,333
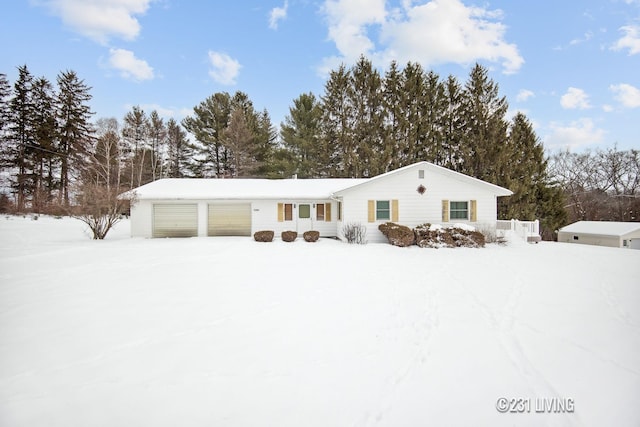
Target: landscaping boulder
397,235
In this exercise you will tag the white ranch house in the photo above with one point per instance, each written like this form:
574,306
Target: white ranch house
412,195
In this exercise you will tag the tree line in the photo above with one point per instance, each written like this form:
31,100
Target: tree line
601,185
365,123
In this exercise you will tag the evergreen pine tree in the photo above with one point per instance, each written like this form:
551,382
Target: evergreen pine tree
485,127
180,152
45,155
265,137
394,99
434,119
21,136
367,101
300,135
75,130
453,125
210,119
238,138
414,112
337,145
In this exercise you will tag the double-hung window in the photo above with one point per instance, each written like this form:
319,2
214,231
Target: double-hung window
383,210
459,210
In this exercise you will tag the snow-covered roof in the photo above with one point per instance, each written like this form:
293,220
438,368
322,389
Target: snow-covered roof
239,188
603,228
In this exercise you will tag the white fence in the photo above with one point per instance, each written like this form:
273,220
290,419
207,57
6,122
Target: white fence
528,230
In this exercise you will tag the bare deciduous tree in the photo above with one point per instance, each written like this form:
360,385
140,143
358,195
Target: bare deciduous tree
600,185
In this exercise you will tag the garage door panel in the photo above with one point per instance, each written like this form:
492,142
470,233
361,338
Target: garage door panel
229,219
175,220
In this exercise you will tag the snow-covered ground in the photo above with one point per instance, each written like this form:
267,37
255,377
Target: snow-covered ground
230,332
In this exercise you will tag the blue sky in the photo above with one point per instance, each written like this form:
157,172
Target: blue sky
573,67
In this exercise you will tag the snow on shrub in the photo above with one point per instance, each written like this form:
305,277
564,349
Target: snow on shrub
289,236
263,236
397,235
311,236
457,235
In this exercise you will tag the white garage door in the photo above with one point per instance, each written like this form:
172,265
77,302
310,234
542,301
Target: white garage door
229,219
180,220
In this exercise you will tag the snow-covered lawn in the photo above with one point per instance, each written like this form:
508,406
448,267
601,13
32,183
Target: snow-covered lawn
230,332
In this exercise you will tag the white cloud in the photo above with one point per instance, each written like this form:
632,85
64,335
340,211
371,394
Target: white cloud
129,66
579,133
585,38
101,19
224,69
348,21
277,14
575,99
435,32
524,94
627,95
607,108
630,40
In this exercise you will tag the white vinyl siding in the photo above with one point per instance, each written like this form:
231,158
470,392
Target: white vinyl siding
359,203
227,219
175,220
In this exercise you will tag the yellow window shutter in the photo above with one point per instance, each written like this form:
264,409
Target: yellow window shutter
394,210
280,212
327,212
474,211
372,211
445,211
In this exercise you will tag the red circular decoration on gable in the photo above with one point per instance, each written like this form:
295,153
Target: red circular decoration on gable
421,189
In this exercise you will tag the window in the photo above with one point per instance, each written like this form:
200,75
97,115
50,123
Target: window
339,211
304,211
624,243
459,210
421,174
383,209
288,212
320,212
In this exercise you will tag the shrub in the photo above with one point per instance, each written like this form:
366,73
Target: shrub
311,236
355,233
436,236
289,236
397,235
263,236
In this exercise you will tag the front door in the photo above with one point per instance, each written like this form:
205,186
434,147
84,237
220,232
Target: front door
305,218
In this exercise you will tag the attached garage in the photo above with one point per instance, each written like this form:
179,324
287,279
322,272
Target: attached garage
175,220
229,219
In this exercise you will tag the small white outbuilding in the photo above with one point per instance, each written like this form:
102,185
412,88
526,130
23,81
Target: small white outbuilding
602,233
